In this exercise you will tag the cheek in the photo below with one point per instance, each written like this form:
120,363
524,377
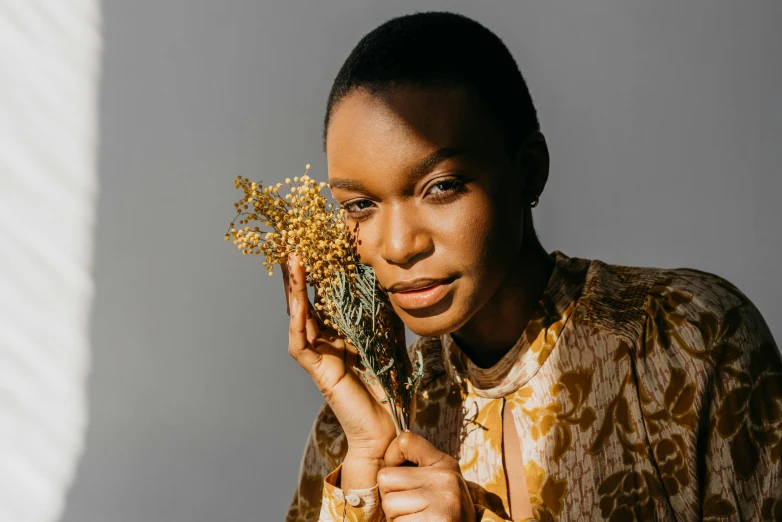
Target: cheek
367,236
466,232
483,241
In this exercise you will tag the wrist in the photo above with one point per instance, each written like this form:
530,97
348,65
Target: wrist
365,458
359,471
367,450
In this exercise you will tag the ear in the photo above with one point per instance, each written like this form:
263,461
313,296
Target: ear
532,164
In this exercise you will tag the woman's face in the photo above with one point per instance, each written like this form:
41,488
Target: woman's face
424,175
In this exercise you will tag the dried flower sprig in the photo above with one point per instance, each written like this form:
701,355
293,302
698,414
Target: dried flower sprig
347,296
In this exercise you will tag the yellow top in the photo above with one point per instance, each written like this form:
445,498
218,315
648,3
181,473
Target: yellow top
637,394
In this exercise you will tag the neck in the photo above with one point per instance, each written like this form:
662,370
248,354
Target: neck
496,327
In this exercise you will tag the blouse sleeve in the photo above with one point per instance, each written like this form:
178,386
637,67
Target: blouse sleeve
353,505
323,454
711,390
318,497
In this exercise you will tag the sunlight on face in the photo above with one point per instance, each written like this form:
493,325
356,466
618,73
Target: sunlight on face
424,174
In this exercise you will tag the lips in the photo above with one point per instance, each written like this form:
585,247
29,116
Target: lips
421,293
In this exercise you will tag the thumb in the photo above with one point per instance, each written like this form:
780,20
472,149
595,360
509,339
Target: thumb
409,447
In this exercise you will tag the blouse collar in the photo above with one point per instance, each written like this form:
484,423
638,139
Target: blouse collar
536,343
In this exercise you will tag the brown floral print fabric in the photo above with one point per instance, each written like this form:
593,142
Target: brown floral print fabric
637,393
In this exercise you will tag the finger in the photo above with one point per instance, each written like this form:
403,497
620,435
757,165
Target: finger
392,479
403,503
415,517
298,346
303,330
313,329
297,282
298,290
409,447
286,287
353,351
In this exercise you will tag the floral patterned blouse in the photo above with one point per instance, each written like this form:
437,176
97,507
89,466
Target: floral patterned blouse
637,394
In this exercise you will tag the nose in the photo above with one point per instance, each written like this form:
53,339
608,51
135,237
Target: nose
404,236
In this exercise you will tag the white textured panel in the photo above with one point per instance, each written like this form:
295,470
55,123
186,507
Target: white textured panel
49,58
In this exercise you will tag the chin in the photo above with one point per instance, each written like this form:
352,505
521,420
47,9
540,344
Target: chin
433,325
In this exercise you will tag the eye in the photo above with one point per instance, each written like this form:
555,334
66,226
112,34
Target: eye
358,208
446,189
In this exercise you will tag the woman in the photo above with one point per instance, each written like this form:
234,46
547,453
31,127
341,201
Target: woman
557,387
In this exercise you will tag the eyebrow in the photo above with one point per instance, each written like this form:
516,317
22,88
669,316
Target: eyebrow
419,170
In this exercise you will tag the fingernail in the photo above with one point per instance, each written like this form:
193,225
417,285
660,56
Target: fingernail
294,306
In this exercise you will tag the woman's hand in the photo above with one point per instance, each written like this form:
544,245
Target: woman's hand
329,360
434,490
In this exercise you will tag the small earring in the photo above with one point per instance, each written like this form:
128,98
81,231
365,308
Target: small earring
534,202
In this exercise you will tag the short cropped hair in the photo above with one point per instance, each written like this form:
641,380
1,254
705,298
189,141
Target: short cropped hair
436,48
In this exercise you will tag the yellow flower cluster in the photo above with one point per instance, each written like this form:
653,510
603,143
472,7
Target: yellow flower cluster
301,221
304,222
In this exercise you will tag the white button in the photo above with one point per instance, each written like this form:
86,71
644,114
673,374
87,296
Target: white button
353,499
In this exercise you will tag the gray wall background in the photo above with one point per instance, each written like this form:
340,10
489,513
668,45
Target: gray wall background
664,123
